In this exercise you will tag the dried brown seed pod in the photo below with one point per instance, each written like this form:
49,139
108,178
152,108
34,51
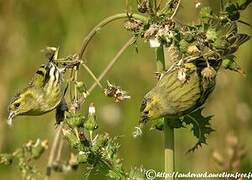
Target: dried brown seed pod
151,32
142,6
132,25
116,92
208,73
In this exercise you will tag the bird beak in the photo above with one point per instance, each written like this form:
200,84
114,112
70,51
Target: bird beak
12,114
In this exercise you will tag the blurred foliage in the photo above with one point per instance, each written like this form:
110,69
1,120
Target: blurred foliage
22,158
27,26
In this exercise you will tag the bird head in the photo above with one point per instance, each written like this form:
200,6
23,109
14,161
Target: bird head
21,104
149,107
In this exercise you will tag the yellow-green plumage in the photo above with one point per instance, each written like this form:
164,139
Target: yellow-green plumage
43,94
173,97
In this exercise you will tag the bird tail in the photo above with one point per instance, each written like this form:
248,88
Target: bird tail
238,41
230,33
60,111
61,108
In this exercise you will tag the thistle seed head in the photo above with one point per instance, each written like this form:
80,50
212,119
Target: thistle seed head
151,32
116,92
132,25
208,73
142,6
182,74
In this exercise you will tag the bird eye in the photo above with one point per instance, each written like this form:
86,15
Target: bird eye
146,112
17,105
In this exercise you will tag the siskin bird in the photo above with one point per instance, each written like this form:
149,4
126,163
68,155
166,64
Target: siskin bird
186,86
177,92
43,94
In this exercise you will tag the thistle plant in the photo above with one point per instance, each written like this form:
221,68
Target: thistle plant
188,58
23,158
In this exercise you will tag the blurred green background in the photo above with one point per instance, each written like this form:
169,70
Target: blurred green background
27,26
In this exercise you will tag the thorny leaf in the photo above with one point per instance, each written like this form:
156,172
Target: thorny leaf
200,126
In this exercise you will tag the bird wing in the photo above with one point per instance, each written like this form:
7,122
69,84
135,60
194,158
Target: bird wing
228,40
41,76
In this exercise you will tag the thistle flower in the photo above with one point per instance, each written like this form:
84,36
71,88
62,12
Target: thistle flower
90,124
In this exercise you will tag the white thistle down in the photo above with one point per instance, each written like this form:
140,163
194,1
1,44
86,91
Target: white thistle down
154,43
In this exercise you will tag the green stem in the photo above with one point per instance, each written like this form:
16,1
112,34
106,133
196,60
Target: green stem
104,22
92,74
168,131
176,9
222,5
160,59
75,80
169,148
